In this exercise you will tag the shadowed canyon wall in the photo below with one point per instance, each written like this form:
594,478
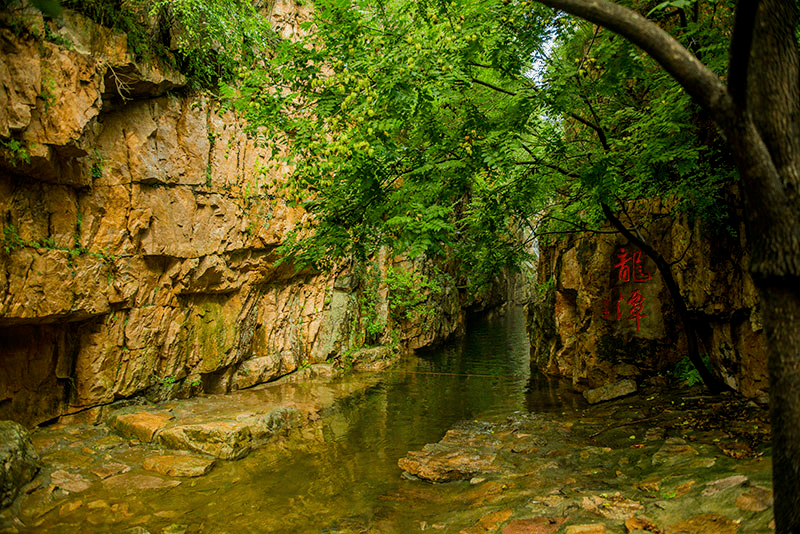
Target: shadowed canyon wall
139,231
604,312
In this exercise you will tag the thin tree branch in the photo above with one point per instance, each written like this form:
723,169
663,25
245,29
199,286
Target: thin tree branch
697,79
493,87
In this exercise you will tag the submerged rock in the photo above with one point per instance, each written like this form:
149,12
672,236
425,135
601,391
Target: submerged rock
611,391
704,524
18,461
179,466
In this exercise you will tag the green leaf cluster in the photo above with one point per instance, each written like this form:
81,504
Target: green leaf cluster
629,132
207,40
406,124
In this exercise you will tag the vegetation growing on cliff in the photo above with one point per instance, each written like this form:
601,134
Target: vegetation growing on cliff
207,40
426,99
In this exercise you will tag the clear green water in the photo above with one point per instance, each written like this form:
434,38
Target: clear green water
338,475
335,480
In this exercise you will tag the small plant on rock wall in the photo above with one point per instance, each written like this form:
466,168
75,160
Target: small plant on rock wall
369,303
14,151
98,162
543,289
409,294
12,240
48,93
166,381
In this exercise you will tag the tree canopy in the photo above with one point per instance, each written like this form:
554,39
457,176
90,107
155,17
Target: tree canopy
451,126
417,123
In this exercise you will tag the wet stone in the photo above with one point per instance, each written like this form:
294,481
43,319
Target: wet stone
536,525
704,524
674,451
438,462
717,486
595,528
640,524
611,506
140,425
488,522
110,469
610,392
757,499
69,482
179,466
131,483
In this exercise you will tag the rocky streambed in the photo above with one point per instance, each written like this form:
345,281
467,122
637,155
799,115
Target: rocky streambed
669,461
460,441
661,461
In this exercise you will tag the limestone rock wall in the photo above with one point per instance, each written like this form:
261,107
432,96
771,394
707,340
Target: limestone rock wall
603,312
139,231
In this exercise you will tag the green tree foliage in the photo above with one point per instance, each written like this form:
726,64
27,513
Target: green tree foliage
446,127
630,131
208,40
406,124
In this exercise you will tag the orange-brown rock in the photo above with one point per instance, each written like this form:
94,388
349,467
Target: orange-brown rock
139,235
178,466
604,313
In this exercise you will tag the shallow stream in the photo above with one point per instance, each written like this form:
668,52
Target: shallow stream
667,457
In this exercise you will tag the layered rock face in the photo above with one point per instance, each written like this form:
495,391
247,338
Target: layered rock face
139,236
604,313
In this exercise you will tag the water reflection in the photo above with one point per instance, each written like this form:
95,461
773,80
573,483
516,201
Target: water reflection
334,475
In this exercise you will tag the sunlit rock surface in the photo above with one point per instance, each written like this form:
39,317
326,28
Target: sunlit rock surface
139,232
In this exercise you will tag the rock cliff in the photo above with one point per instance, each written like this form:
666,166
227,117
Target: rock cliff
139,228
604,313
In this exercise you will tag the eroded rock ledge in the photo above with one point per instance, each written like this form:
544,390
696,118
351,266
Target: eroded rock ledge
139,231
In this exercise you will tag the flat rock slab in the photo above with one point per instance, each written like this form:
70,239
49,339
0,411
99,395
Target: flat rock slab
179,465
140,425
757,499
704,524
674,451
70,482
611,507
592,528
438,462
610,392
536,525
227,440
229,426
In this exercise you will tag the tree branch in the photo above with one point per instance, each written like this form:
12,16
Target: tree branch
701,84
493,87
710,380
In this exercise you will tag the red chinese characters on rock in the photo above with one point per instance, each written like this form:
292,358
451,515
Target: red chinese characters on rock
629,269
